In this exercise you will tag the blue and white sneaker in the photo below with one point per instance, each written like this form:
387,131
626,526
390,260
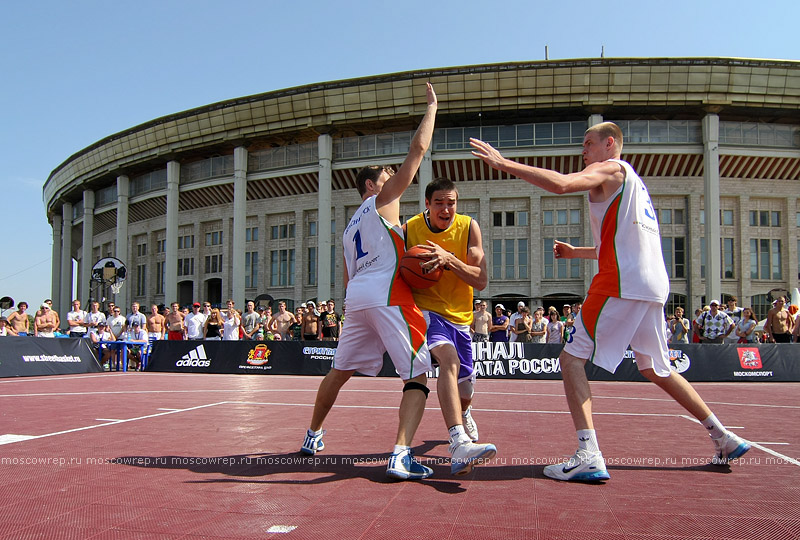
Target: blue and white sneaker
403,466
464,455
313,443
729,447
584,466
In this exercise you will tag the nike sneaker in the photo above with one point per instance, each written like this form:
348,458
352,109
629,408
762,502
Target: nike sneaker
728,447
584,466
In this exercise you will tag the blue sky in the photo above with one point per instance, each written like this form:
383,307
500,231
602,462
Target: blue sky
76,72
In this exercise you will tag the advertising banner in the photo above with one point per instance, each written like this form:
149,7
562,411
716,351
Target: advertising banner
243,357
711,363
28,356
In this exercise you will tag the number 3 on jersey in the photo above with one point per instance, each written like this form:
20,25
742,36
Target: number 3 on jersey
359,252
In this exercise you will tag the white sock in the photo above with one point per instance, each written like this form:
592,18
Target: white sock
400,448
457,433
313,433
587,440
714,427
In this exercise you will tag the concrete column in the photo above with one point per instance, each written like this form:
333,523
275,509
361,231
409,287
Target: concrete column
55,275
171,259
300,259
64,304
122,252
84,287
325,142
595,119
239,224
711,200
425,177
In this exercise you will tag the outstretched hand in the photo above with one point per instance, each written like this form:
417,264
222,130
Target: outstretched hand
432,100
486,152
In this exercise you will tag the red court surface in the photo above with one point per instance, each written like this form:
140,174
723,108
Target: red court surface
158,455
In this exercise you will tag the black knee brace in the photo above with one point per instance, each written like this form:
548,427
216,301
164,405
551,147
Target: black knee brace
417,386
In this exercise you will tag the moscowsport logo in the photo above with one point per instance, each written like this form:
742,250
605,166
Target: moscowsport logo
194,358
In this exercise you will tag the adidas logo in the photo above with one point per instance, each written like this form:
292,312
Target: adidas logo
194,358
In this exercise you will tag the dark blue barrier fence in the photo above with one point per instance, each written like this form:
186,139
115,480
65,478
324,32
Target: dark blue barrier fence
27,356
767,362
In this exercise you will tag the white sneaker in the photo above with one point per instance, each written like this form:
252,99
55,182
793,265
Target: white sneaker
465,455
470,427
584,466
403,466
312,443
728,447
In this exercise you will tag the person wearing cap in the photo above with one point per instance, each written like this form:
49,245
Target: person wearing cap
5,328
195,322
714,325
156,324
498,330
631,285
100,333
45,323
513,329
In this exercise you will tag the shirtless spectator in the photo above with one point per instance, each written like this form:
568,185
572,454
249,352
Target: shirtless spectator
780,324
156,324
282,321
175,326
310,322
45,323
481,320
5,328
19,322
53,312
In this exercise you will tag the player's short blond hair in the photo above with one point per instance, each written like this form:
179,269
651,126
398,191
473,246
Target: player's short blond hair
608,129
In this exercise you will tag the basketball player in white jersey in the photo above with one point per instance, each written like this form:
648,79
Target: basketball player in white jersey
624,304
381,313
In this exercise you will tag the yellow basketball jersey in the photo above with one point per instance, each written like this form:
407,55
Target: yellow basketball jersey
450,297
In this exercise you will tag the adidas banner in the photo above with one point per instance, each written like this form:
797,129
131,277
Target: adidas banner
27,356
258,357
712,363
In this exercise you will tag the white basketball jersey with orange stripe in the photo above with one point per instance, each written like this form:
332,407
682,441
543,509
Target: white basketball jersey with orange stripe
626,235
373,248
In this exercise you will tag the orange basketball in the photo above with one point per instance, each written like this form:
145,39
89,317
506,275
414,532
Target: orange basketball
412,272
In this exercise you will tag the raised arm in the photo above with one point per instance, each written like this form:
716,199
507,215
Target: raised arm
395,186
601,178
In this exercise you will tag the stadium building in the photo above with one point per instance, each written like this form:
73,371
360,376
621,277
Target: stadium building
249,196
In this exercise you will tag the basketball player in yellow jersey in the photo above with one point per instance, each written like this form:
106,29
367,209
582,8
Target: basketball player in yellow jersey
453,242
